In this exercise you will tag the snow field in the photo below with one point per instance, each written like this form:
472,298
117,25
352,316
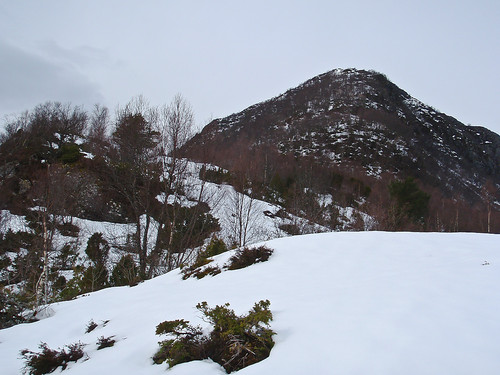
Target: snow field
343,303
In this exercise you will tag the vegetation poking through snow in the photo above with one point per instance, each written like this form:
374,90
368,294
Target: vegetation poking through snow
91,326
235,341
242,258
105,342
48,360
247,256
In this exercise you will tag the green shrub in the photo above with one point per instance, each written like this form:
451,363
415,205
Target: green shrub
70,153
242,258
246,257
125,272
188,344
212,271
97,248
410,201
94,278
72,287
11,309
48,360
234,342
215,247
187,272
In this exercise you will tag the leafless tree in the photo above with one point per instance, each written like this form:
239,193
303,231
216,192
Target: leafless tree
488,193
176,121
242,218
97,134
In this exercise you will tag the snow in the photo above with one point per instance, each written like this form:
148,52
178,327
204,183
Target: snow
343,303
13,222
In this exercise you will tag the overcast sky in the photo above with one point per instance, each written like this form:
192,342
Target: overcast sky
224,56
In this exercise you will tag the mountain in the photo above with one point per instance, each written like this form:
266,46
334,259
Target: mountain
366,303
354,123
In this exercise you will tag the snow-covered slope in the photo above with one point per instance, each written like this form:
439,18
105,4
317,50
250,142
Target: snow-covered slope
343,303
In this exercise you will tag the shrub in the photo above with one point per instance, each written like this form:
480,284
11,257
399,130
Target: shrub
410,200
187,272
211,270
199,271
68,229
73,287
246,257
97,248
48,360
188,344
105,342
215,247
242,258
91,326
234,342
125,272
291,229
70,153
94,278
217,176
11,309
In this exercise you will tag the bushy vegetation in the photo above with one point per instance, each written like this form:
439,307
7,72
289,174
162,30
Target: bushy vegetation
242,258
105,342
91,326
215,247
234,342
198,269
10,310
48,360
125,272
217,176
58,162
247,256
410,202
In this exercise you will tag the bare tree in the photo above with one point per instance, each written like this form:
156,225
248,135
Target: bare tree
176,121
97,134
242,217
488,193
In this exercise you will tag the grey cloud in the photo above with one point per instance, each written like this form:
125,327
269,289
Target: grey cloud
81,57
27,79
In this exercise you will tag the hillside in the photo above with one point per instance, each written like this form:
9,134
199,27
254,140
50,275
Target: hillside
88,201
349,133
347,303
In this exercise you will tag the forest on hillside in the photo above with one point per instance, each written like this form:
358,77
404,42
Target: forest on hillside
59,163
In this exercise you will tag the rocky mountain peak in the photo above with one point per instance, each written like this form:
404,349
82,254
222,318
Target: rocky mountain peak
357,119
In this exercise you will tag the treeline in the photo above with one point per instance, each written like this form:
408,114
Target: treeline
59,162
315,190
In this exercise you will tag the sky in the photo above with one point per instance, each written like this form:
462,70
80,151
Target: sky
224,56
